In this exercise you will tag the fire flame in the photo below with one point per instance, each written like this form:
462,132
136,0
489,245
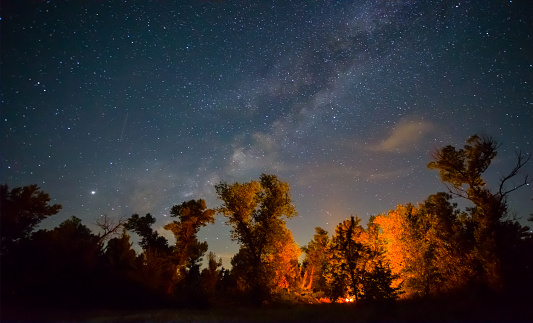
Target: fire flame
348,299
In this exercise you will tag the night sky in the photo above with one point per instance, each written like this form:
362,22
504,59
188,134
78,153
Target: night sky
132,107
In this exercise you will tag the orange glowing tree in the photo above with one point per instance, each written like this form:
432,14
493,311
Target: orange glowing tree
315,261
256,212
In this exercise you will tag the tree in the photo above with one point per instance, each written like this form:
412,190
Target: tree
109,227
155,269
427,247
516,249
56,266
347,259
282,260
462,171
397,243
377,284
188,250
255,211
150,239
377,278
21,209
120,256
446,237
211,274
315,260
121,278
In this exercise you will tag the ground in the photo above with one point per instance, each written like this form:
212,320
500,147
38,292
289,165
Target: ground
411,311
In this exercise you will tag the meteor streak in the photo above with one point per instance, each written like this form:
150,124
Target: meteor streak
124,126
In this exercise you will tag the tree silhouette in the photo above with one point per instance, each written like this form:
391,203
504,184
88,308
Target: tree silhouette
444,239
150,239
120,256
377,284
462,171
109,227
57,265
348,255
21,209
155,267
211,274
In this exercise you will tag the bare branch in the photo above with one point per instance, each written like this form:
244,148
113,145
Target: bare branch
521,161
456,191
109,226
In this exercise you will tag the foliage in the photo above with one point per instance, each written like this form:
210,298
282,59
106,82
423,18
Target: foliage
21,209
315,261
172,270
427,246
446,232
377,284
119,254
211,274
154,268
465,167
187,251
150,239
255,211
347,256
355,267
431,250
54,265
281,257
395,237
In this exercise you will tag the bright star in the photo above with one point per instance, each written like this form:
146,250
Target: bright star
93,192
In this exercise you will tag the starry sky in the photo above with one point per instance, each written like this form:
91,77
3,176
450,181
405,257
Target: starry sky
122,107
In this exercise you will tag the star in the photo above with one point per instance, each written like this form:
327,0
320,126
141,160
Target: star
343,100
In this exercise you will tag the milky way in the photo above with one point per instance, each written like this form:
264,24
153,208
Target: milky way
122,108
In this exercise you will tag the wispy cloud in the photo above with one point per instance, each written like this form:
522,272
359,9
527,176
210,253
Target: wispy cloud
335,173
405,136
257,152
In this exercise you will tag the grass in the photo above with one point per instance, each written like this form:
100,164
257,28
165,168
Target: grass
297,313
451,309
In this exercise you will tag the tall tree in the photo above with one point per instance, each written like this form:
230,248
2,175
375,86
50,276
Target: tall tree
397,241
188,250
256,212
21,209
445,239
282,259
119,254
377,278
156,269
462,171
211,274
121,268
348,255
315,260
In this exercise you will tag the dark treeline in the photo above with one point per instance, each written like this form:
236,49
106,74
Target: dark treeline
414,251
